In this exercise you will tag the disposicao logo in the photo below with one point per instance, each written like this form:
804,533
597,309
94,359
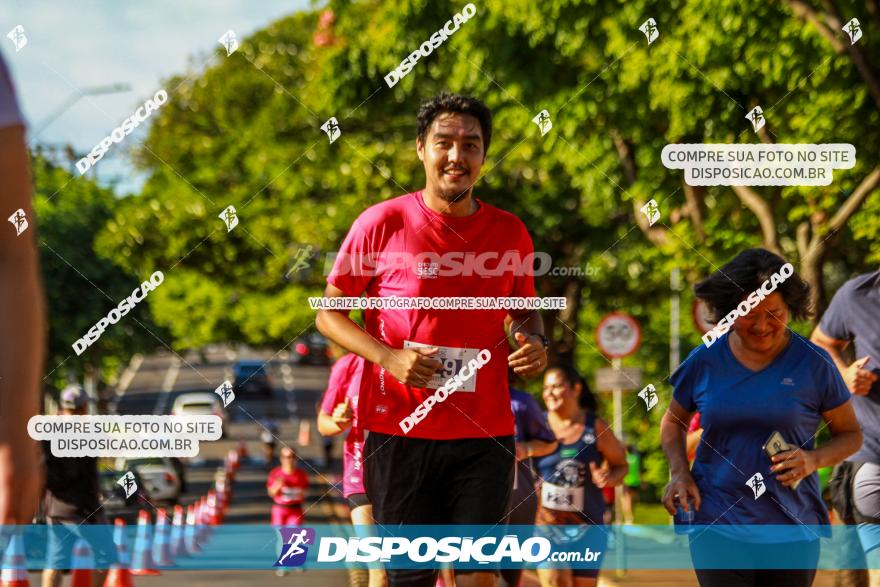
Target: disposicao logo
296,546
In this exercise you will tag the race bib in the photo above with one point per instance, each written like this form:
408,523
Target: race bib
292,493
453,360
564,499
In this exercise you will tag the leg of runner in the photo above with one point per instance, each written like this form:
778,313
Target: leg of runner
363,515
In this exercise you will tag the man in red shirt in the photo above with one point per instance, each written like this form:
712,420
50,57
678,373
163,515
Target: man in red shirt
454,463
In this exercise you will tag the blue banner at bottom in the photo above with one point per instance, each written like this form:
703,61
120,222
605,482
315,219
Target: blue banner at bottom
261,547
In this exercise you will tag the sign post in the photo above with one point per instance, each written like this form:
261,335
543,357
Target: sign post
618,335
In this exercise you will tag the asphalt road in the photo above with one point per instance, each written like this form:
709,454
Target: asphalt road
150,387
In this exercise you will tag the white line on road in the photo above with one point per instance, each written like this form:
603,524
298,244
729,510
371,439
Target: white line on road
168,385
129,373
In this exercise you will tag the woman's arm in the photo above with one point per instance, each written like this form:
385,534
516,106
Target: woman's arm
846,438
614,453
327,426
534,448
673,429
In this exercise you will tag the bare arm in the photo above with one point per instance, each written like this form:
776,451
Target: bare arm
411,366
530,358
846,438
858,379
22,338
673,429
534,448
614,453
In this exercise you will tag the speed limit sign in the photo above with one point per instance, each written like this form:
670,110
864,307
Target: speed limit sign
618,335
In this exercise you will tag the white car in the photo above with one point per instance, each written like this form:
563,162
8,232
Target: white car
199,404
162,478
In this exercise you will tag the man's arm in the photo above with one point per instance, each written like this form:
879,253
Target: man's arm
531,356
410,366
22,338
858,379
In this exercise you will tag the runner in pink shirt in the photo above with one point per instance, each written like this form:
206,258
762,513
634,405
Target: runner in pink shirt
287,487
432,461
338,414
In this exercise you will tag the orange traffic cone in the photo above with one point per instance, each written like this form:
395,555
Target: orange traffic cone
178,547
190,534
304,432
213,517
242,450
82,562
161,542
120,574
143,542
14,572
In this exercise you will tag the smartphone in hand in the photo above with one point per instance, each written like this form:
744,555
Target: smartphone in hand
775,445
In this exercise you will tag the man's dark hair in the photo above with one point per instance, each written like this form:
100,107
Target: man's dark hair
727,287
456,104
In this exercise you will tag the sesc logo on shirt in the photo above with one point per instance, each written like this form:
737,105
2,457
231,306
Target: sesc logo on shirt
428,270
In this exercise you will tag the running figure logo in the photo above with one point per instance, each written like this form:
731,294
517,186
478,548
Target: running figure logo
854,29
296,546
651,210
756,483
331,127
649,394
18,38
301,262
229,218
542,119
225,392
756,117
229,42
649,27
19,221
128,483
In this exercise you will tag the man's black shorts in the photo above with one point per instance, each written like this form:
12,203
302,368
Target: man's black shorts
420,481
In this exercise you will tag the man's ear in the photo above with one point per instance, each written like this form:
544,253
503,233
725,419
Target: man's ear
420,149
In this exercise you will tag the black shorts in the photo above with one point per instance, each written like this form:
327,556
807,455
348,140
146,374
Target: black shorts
356,500
420,481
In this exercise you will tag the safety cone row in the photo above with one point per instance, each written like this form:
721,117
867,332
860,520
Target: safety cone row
14,565
178,527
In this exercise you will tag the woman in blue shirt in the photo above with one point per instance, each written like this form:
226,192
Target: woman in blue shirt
757,378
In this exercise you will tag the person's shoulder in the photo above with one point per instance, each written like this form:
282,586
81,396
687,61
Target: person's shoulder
862,283
383,212
806,348
498,216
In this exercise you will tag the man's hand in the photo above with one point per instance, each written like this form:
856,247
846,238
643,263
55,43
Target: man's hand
530,358
21,481
858,379
412,366
681,489
342,414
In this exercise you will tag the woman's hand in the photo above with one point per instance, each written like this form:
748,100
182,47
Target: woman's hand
680,489
796,464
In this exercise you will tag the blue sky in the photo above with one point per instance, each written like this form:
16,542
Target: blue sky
94,43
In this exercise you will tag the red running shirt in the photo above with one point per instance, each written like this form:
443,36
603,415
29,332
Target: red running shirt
293,491
402,248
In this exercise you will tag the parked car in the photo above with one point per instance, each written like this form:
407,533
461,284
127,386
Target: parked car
164,477
199,404
251,376
115,504
312,349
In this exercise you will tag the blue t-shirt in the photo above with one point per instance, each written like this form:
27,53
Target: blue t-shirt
739,410
854,315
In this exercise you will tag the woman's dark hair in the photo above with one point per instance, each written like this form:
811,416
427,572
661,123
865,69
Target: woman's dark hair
586,400
745,273
445,102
